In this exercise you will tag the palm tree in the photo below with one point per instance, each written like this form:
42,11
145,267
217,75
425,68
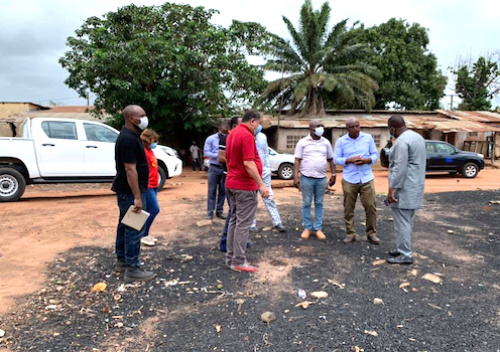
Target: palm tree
319,65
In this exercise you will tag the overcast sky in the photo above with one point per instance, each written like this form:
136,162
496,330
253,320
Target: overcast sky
33,32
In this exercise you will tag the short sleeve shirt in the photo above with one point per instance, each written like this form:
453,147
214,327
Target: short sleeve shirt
129,150
153,168
314,155
240,147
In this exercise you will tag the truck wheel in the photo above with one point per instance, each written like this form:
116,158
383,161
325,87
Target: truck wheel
163,177
470,170
12,185
285,171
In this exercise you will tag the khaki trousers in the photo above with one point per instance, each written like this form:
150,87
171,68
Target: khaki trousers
243,206
366,192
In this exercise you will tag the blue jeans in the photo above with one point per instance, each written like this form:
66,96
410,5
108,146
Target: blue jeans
128,240
216,190
152,207
312,187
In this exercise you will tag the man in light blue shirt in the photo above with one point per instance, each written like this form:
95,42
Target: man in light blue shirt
216,176
356,152
272,208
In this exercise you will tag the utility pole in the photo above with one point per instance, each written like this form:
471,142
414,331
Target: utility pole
281,104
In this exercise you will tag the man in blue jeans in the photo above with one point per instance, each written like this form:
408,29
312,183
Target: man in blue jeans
216,175
312,154
130,185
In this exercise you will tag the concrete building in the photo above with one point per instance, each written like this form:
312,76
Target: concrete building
8,109
13,121
456,128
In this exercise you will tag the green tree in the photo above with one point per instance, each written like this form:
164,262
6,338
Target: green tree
476,84
170,60
409,75
319,65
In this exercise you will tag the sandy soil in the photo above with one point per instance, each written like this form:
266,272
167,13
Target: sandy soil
51,219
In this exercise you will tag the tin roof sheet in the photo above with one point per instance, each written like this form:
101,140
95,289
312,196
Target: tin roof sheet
437,121
475,116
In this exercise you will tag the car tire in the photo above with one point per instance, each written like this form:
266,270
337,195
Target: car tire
163,175
12,184
285,171
470,170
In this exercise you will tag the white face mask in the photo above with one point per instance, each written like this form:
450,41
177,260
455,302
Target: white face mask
318,131
144,123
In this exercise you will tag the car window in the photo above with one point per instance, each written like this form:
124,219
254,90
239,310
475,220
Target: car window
60,129
96,133
444,148
430,147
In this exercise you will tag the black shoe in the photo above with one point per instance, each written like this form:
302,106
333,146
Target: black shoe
120,265
401,259
136,273
394,253
280,227
209,217
221,216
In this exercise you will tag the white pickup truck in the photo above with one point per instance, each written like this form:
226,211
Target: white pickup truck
54,150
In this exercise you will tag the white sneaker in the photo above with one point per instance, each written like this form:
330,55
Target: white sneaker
154,239
147,241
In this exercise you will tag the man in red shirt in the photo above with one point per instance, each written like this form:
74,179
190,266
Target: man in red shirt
242,182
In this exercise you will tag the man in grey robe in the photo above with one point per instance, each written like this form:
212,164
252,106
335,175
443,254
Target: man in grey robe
407,161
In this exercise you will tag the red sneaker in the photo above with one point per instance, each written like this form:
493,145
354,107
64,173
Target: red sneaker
247,268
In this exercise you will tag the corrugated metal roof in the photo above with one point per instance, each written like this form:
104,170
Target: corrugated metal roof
414,121
475,116
463,126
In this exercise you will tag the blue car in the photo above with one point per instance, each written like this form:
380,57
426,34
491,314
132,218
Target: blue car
443,157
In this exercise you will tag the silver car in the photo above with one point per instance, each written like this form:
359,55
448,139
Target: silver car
281,164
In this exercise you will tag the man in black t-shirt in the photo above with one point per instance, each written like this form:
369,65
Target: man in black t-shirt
235,121
130,185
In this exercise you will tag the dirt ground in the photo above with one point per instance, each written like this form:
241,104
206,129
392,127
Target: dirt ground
55,228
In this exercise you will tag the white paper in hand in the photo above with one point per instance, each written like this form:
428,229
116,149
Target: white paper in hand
135,220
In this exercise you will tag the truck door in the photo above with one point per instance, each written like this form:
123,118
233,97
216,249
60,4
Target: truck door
59,152
99,150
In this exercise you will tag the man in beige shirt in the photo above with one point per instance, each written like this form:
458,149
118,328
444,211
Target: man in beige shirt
312,155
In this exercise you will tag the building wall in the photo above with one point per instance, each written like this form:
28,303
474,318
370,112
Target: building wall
9,109
5,130
288,138
436,135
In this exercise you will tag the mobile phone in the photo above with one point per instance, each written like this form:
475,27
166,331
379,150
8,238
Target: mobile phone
386,202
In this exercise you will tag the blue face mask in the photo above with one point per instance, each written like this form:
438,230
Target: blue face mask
153,145
257,131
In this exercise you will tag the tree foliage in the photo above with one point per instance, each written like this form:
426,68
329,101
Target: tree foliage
170,60
410,78
477,83
319,65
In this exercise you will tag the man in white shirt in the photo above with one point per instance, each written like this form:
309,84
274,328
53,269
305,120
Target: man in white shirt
272,208
195,155
312,154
